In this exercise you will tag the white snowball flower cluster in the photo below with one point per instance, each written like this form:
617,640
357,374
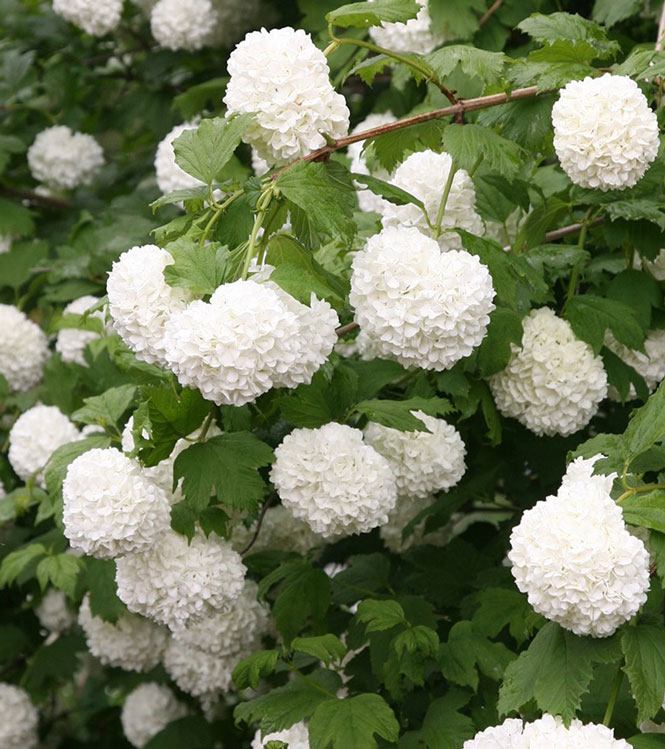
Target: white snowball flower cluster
141,302
176,582
110,507
248,338
416,35
132,642
94,17
424,175
5,243
53,612
279,530
64,159
423,462
23,349
605,134
71,342
170,177
420,306
18,719
36,434
367,200
201,658
548,731
404,511
297,737
650,365
147,710
553,383
284,78
573,557
331,479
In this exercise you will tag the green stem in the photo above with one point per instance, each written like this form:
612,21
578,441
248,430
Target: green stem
206,425
262,206
639,490
476,164
574,276
218,209
613,696
444,199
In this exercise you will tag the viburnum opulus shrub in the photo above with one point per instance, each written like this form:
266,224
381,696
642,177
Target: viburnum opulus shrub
331,349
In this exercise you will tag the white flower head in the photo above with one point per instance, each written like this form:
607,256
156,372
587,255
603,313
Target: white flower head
553,383
335,482
110,507
53,613
280,530
64,159
418,305
423,462
297,737
71,342
182,24
424,174
176,582
131,643
573,557
147,710
36,434
23,349
94,17
141,302
367,200
416,35
18,719
170,177
605,133
284,78
650,365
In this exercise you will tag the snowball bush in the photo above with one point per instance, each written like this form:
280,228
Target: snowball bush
416,35
573,557
147,710
53,612
18,719
63,159
420,306
23,349
94,17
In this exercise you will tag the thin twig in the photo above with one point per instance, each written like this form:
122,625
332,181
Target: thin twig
490,11
348,328
259,522
33,197
660,41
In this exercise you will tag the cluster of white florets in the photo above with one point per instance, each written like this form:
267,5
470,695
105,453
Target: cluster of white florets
279,531
170,177
147,710
132,642
404,511
573,557
36,434
18,719
650,365
176,582
416,35
548,731
71,342
53,613
201,658
553,383
297,737
424,175
420,306
141,302
331,479
110,507
605,134
63,159
367,200
23,349
423,462
95,18
283,78
248,338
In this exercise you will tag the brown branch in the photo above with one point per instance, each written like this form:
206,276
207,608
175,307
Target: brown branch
33,197
348,328
259,522
490,12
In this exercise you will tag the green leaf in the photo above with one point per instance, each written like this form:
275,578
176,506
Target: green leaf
100,582
353,723
554,26
228,464
378,616
374,375
18,265
61,570
642,62
456,17
644,650
647,741
397,414
494,353
106,410
466,143
365,574
192,731
590,316
324,193
58,660
363,15
327,648
327,398
15,221
15,562
646,426
387,191
193,100
371,67
198,269
443,726
646,509
566,51
198,194
391,148
555,670
501,607
609,12
205,151
488,66
250,671
527,122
